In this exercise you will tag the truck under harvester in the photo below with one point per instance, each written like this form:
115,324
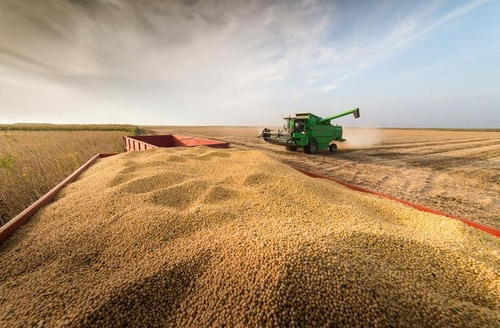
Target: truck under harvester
308,131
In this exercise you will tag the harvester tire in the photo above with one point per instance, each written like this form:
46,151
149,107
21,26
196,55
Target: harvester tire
291,148
333,148
312,147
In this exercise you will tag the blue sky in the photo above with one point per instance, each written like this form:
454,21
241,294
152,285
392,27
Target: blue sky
404,63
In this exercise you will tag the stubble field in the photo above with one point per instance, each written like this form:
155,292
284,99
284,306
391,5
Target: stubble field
454,171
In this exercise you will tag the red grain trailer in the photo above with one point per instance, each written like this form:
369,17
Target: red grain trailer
131,143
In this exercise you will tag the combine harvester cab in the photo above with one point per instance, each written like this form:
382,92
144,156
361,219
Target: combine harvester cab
308,131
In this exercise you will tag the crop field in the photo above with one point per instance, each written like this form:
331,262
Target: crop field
454,171
35,158
457,172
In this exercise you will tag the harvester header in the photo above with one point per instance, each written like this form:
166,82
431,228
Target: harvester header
308,131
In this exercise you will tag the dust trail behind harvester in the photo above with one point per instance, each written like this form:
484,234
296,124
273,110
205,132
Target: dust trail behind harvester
358,138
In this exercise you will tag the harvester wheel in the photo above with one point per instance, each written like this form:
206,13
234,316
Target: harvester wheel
333,148
312,147
291,148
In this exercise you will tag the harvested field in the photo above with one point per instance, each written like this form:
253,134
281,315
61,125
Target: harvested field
457,172
204,237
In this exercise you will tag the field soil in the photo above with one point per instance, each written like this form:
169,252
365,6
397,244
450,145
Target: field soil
454,171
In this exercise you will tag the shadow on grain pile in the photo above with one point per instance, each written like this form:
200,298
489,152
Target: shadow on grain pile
199,237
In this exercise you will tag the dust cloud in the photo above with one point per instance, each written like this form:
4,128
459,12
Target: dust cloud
358,138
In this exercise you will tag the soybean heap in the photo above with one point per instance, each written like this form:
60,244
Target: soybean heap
203,237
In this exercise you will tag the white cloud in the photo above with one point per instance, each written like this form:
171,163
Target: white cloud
330,87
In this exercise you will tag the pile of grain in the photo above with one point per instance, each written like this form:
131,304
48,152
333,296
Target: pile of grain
199,237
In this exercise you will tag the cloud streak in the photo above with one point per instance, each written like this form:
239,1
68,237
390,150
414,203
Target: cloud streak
406,31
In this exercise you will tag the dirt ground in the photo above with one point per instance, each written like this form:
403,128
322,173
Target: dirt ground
457,172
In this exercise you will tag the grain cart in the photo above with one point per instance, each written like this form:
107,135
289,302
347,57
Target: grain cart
308,131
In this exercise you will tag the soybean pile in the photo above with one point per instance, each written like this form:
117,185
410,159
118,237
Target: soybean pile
210,237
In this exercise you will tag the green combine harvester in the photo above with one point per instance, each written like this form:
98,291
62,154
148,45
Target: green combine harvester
308,131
